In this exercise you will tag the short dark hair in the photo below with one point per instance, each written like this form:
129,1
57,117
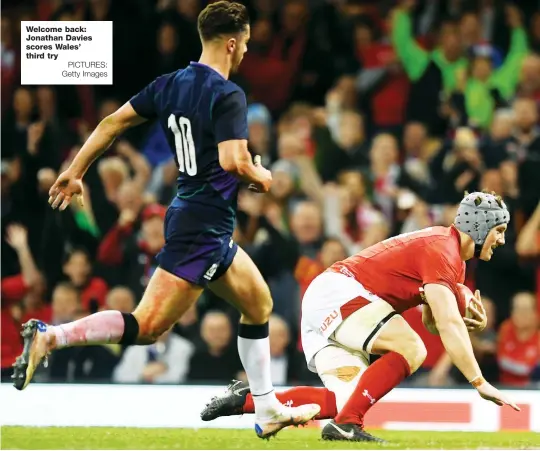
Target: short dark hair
222,18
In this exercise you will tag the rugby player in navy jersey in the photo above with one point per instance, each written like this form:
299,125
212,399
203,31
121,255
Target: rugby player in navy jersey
204,117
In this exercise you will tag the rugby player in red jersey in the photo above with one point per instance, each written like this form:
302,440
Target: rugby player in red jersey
353,310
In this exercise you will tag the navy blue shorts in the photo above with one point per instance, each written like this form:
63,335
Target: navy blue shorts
196,249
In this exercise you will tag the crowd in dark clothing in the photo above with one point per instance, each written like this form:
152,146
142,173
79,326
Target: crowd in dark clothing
374,118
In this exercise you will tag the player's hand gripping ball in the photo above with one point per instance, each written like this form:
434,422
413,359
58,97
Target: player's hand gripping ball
471,308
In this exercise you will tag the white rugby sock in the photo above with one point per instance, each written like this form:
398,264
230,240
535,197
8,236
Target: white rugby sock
254,351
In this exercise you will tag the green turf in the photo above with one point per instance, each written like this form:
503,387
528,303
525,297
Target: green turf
131,438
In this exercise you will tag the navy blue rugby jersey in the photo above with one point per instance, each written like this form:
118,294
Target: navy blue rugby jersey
198,108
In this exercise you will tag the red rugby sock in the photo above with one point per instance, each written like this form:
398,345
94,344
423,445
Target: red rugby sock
380,377
298,396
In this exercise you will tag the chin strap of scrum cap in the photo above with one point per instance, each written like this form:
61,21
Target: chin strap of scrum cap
477,214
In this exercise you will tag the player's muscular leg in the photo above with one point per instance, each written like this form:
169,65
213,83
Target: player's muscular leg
403,352
244,287
166,299
399,337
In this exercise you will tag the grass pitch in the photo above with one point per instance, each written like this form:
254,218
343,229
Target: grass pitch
132,438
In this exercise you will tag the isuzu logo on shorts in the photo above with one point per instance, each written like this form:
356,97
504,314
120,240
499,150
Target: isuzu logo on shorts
329,319
346,272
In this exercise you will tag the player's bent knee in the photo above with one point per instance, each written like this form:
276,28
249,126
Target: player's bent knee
340,370
416,352
260,312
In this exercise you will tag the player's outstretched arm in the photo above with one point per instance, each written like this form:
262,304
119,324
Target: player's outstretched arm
457,343
69,183
103,136
235,158
452,329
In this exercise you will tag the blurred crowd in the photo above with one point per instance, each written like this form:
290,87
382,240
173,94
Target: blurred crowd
374,118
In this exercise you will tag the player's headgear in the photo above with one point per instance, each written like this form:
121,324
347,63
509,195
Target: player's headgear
477,214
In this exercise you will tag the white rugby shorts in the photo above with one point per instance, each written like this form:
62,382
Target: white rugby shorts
329,300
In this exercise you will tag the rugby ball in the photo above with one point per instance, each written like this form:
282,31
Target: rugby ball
463,300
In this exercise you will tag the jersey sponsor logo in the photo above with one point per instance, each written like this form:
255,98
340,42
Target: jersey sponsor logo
329,320
211,271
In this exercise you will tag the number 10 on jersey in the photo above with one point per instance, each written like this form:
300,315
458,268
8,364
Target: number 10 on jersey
183,142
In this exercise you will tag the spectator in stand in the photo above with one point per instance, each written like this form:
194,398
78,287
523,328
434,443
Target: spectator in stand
66,304
285,186
181,19
75,228
528,247
307,268
34,303
307,227
484,88
518,350
134,252
215,351
168,50
14,288
473,37
534,31
126,201
496,147
429,72
385,172
65,307
15,125
457,167
189,326
415,213
164,362
92,290
351,139
419,151
339,133
260,132
525,150
286,364
350,215
58,137
526,133
266,64
529,80
120,298
113,172
382,80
